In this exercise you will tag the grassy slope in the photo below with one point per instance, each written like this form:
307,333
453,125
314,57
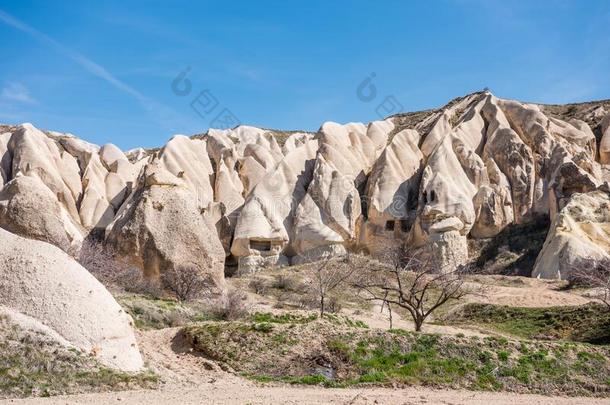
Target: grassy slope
156,313
298,347
32,365
335,352
587,323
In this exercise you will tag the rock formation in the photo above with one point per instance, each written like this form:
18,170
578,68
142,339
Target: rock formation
256,197
392,192
265,223
42,283
166,223
604,146
580,230
28,208
35,154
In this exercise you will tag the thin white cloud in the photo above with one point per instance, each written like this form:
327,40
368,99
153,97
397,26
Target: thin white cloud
17,92
159,112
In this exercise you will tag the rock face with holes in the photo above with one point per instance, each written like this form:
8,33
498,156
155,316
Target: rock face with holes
450,179
265,224
392,192
239,199
43,284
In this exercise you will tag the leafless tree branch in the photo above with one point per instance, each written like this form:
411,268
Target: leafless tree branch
416,283
594,274
327,275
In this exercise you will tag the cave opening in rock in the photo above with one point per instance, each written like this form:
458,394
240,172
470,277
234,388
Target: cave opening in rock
260,245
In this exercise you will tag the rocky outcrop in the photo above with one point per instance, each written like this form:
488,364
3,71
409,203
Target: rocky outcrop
241,158
5,158
513,157
449,182
44,284
41,188
327,217
310,203
164,225
581,230
30,209
257,197
108,178
392,192
35,154
604,145
266,219
493,204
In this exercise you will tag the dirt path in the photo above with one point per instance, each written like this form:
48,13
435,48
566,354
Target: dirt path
526,292
378,319
212,393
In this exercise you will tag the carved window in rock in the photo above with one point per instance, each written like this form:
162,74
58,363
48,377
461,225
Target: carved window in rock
405,225
429,197
389,225
260,245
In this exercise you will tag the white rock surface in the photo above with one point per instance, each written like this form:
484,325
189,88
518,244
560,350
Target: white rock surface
327,215
267,214
35,154
392,191
40,281
580,230
5,158
28,208
432,178
163,225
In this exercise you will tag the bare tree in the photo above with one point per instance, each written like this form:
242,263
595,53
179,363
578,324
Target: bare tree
105,265
230,306
386,303
328,274
415,283
185,282
100,261
594,274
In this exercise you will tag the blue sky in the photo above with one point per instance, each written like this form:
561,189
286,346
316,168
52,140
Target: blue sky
104,70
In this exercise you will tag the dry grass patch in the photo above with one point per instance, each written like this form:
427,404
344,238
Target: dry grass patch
33,365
